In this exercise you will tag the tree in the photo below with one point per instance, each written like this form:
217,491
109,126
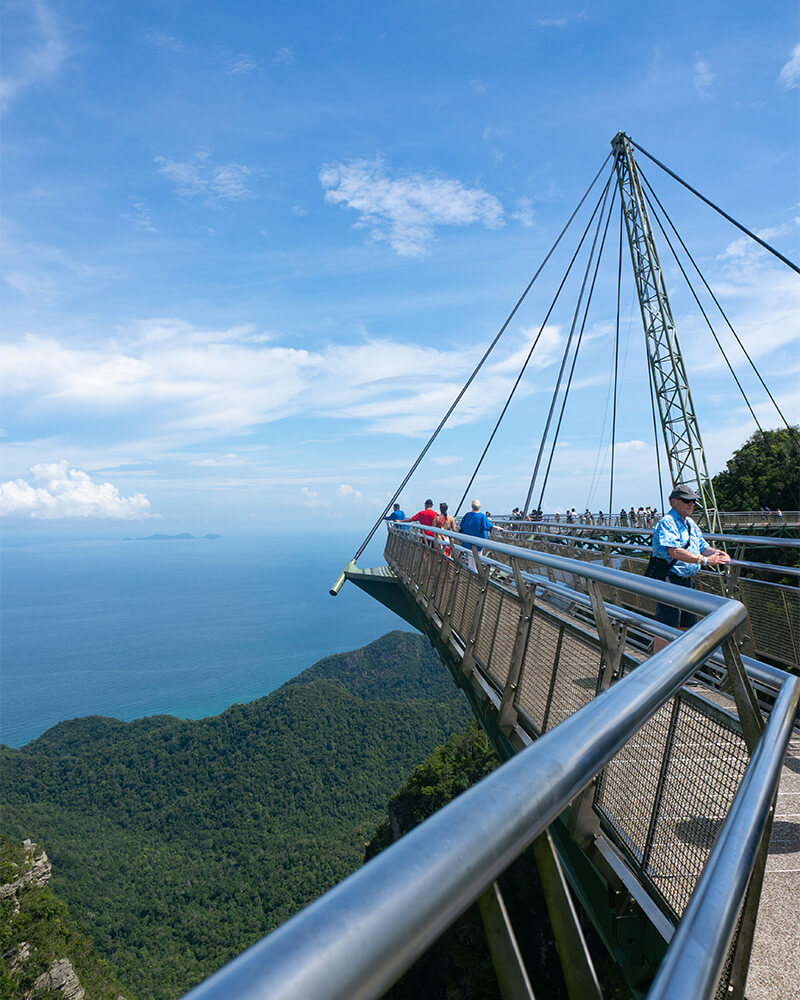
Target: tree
764,471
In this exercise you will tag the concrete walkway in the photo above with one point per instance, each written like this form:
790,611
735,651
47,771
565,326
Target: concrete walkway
775,962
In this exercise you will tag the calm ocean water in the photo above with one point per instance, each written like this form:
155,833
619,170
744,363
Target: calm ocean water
186,628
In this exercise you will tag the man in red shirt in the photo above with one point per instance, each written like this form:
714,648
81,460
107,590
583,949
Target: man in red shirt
425,516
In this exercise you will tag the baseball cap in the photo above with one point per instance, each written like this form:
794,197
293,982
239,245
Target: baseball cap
682,492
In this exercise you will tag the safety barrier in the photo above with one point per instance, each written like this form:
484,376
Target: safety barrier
773,609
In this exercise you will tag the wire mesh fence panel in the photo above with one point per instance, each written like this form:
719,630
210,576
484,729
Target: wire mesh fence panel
705,764
773,613
538,665
485,636
443,586
459,602
576,678
627,789
504,638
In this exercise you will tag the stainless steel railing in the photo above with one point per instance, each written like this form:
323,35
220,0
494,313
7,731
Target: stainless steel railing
357,939
773,628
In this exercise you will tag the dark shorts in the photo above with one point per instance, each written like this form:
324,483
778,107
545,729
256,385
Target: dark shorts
667,615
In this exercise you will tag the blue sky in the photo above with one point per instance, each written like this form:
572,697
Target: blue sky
251,252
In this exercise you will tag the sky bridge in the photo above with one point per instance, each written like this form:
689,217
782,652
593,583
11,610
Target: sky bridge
657,790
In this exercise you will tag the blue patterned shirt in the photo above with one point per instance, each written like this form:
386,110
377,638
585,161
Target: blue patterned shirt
676,532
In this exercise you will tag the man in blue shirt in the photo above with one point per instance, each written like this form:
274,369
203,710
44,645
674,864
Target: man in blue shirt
396,515
682,551
476,523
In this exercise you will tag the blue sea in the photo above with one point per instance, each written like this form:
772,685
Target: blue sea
184,627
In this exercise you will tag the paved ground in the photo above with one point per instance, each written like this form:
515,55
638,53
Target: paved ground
775,963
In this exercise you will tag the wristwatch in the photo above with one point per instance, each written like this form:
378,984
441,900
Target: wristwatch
703,561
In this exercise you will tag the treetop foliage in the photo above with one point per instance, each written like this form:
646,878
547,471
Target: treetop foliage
765,471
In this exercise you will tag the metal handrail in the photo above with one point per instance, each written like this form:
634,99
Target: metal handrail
617,546
530,526
698,602
357,939
763,673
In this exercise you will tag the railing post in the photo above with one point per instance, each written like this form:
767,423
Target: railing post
744,695
612,642
512,978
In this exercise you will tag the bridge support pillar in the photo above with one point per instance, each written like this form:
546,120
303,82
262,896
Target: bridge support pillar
576,963
512,978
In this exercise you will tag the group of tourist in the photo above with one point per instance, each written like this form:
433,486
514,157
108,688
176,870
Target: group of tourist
644,517
474,522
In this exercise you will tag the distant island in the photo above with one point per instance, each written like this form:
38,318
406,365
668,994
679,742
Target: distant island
168,538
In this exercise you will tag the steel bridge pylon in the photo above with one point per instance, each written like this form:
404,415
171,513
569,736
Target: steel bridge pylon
679,426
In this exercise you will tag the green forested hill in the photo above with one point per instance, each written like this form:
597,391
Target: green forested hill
176,844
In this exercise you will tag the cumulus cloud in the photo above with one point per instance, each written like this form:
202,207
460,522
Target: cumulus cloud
790,73
58,491
37,62
198,177
406,210
346,490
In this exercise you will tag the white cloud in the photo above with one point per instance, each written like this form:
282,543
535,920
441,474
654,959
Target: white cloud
198,177
406,210
36,63
790,73
284,56
446,460
703,77
240,65
177,382
561,22
346,490
66,492
311,499
523,212
141,217
163,40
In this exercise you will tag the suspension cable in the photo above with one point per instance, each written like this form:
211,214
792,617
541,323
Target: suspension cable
716,208
578,345
655,429
702,311
477,368
527,360
567,347
616,367
719,306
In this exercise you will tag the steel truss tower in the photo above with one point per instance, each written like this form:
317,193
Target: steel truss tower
684,447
